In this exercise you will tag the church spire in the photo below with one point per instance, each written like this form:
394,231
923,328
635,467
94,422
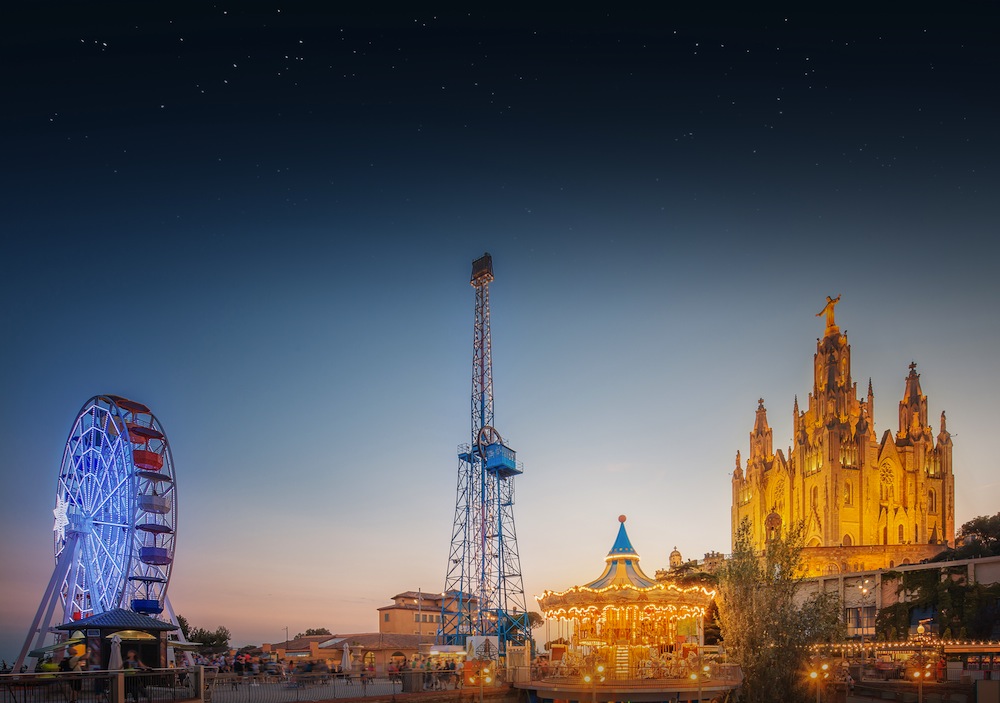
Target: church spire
913,407
760,438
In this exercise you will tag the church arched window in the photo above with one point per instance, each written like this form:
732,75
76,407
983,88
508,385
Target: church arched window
848,542
848,493
815,496
899,534
931,501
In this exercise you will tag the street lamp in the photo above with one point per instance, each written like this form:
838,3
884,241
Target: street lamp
483,675
592,679
702,673
864,588
919,675
820,675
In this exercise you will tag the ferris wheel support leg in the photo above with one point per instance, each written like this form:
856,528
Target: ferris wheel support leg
48,605
168,606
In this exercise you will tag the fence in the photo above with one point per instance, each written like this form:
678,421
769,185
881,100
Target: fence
155,686
636,677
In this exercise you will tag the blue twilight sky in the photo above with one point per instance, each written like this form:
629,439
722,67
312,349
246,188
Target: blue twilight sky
259,219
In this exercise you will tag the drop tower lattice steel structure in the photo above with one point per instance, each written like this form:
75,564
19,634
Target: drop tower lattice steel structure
484,592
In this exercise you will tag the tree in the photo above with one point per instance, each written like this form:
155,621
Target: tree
979,537
763,629
216,640
185,627
314,631
535,619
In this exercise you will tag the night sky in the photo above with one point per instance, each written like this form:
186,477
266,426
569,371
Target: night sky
259,220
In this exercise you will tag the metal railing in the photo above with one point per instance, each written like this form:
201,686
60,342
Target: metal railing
318,686
154,686
639,676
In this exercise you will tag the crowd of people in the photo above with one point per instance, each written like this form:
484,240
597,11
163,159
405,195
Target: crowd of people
436,674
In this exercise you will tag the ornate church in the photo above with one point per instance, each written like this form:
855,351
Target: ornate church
865,503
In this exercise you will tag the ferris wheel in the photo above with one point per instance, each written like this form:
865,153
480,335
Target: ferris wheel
115,518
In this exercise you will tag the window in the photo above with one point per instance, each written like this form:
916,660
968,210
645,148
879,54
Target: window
848,542
815,496
385,617
931,501
899,533
416,617
848,495
423,618
860,621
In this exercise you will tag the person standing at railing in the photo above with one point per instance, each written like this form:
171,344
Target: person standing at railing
71,664
134,687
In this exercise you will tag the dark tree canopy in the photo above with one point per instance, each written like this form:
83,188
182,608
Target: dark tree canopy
314,631
214,640
980,537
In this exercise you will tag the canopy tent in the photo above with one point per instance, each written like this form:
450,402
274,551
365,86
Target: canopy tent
185,646
42,651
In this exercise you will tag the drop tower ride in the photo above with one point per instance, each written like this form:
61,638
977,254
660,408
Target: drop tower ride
484,593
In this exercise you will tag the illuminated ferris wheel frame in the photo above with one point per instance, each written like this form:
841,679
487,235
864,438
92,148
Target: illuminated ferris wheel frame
115,518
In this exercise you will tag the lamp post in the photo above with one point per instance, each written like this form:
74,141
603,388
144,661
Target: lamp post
701,673
592,680
483,675
923,670
864,588
920,675
819,675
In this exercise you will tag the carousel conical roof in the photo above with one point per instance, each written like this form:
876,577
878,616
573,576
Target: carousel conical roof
623,584
622,565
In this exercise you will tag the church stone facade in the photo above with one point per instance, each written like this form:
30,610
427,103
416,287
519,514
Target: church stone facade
865,503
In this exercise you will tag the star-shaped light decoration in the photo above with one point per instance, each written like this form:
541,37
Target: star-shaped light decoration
61,520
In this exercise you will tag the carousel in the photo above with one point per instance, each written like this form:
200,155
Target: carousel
634,626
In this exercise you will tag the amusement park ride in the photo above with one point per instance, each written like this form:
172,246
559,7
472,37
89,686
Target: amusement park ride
484,593
115,520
